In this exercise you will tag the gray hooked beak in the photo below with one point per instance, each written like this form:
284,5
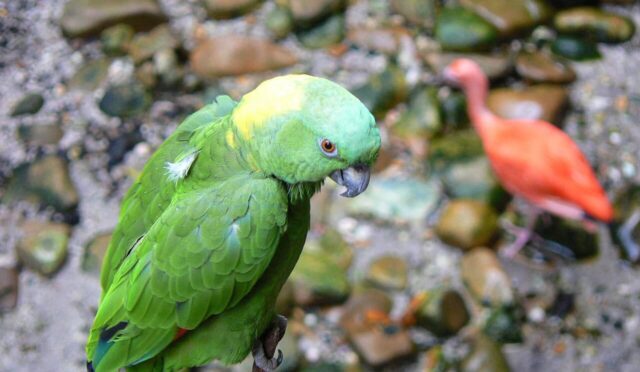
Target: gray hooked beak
355,179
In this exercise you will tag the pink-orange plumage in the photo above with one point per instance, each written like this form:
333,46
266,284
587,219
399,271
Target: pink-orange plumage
532,158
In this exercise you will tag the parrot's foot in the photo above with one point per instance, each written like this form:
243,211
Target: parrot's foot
264,348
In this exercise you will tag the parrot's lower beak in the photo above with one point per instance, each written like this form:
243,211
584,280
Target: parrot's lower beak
355,179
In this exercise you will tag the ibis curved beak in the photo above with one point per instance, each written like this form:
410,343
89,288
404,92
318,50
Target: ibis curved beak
355,179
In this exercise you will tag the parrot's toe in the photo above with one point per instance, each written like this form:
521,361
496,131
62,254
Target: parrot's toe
261,363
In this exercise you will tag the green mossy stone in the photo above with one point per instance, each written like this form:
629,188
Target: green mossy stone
459,29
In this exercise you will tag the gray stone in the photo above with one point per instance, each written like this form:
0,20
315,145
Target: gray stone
327,33
89,76
45,181
396,200
40,135
145,45
43,247
90,17
485,278
29,104
124,100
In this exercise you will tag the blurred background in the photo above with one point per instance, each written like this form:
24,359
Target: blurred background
404,277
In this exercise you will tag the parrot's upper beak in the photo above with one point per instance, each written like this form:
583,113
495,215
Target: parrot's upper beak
355,179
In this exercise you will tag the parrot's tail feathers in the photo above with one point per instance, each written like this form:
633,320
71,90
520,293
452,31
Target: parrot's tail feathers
105,341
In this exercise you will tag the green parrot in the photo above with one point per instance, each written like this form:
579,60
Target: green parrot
215,223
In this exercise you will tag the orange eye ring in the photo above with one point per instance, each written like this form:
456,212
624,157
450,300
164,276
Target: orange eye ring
328,147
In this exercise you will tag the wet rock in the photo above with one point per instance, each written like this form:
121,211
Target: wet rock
40,135
223,9
167,68
145,45
485,278
474,179
625,229
8,287
43,246
540,102
467,223
442,312
116,39
460,146
318,279
124,100
45,181
89,76
383,91
327,33
419,12
485,356
89,17
502,325
495,65
566,237
380,346
453,109
595,23
422,120
575,48
146,75
459,29
388,272
381,40
307,13
356,316
511,17
542,67
29,104
279,22
334,244
237,55
94,253
396,200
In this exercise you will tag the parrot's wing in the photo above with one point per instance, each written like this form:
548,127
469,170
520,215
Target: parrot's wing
150,195
201,256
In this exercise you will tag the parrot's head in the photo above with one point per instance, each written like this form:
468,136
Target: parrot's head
302,129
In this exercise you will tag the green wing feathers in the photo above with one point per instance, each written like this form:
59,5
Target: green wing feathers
201,256
153,191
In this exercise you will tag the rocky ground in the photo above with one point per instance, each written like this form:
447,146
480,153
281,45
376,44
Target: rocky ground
404,277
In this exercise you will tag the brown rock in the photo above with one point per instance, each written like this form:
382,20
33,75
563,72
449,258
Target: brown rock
483,274
306,13
511,17
388,272
143,46
237,55
378,346
539,102
222,9
43,246
385,40
89,17
8,288
541,67
467,223
494,65
442,311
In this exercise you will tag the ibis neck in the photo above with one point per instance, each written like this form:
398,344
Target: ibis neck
479,114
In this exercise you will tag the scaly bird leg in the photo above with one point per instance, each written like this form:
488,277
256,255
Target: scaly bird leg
523,234
264,348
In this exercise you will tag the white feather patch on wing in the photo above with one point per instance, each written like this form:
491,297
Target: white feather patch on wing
178,170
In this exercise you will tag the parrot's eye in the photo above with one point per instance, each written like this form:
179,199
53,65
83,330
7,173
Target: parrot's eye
328,148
